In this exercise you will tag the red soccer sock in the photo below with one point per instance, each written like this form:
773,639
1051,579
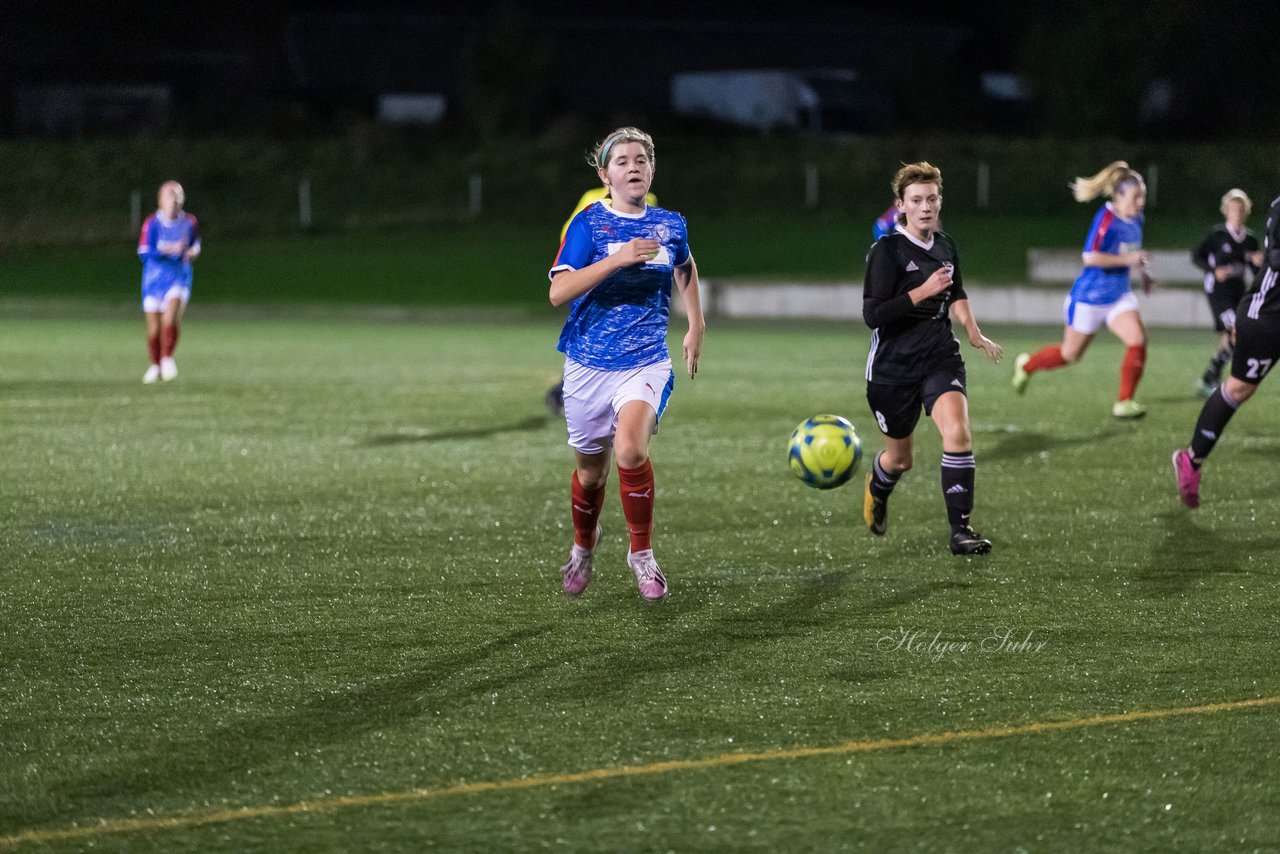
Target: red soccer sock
586,505
170,336
636,486
1046,359
153,347
1135,359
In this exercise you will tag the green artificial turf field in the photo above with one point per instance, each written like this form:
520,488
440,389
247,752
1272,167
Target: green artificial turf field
306,598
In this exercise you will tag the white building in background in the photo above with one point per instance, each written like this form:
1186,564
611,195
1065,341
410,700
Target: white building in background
815,100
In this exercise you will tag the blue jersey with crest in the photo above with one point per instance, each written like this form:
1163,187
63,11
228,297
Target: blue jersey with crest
161,245
621,323
1112,234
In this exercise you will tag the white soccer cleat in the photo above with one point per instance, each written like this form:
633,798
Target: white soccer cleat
1128,410
152,375
649,577
577,572
1020,375
168,368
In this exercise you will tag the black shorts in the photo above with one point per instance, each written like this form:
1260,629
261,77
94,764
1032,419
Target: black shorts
897,407
1257,347
1223,301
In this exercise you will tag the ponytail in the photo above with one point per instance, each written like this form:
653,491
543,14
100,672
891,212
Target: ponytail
1105,183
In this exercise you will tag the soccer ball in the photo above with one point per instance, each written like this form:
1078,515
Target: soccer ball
824,451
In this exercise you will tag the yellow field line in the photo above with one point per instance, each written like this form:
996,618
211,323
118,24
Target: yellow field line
339,802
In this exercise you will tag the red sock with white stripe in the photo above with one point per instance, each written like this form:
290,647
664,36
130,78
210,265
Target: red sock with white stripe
636,486
586,504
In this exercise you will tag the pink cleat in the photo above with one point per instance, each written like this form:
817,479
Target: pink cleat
1188,478
649,577
577,572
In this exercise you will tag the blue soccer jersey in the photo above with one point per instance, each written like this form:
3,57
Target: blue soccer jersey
885,224
161,246
621,323
1112,234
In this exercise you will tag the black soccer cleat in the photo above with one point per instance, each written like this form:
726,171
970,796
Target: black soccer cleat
875,511
966,541
554,399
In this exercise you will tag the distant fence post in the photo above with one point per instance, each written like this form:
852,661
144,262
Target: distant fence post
475,195
304,203
984,185
810,185
1153,183
135,210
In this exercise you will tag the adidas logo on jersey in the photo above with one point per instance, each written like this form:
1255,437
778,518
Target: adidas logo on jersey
957,490
911,267
958,384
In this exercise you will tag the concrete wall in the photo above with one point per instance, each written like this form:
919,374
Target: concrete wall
1169,307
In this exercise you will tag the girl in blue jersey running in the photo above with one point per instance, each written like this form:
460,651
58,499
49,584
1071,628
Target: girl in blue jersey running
615,268
1101,293
168,243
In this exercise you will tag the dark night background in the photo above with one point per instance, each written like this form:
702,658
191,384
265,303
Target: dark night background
1158,69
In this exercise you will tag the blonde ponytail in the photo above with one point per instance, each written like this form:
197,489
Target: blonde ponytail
1104,183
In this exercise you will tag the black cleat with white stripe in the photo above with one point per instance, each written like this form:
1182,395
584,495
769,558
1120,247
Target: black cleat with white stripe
966,541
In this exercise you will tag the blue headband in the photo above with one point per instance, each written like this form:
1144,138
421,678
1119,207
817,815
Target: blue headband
604,149
1131,178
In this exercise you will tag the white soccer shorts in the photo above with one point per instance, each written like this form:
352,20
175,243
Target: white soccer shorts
153,304
1086,318
593,398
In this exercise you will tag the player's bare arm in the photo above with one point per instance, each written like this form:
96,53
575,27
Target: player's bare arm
686,279
568,285
962,314
1110,259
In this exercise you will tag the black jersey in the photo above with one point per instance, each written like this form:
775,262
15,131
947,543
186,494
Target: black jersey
1265,296
908,341
1221,248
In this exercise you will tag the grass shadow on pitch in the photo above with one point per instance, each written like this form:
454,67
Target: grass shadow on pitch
1188,552
1019,445
202,765
536,422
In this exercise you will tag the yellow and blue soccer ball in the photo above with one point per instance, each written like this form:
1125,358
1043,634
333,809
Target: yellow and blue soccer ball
824,451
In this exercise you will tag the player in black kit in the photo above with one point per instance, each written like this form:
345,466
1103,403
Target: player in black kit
1257,348
1225,255
913,290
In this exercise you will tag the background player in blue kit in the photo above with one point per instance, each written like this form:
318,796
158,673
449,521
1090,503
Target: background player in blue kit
885,223
1225,255
616,267
168,243
1101,293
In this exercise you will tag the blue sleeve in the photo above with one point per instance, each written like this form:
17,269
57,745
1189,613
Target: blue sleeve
577,248
147,240
682,248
